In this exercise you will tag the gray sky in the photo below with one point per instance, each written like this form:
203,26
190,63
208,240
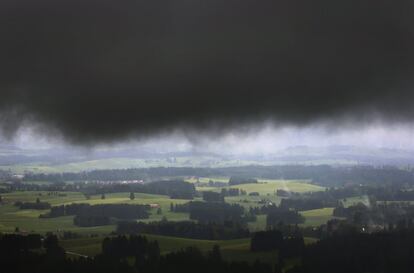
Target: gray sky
95,72
262,139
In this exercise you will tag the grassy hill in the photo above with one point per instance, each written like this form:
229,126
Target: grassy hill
231,249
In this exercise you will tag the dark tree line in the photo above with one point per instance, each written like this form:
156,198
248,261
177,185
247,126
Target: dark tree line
180,207
185,229
29,253
122,255
38,205
122,211
212,212
91,220
306,203
87,215
387,215
287,247
276,216
344,252
322,174
239,180
176,189
233,192
360,253
218,213
210,196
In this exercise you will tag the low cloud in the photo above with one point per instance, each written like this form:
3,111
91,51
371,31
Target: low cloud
99,71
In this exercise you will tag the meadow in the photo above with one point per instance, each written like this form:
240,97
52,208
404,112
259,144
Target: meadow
11,217
123,163
90,241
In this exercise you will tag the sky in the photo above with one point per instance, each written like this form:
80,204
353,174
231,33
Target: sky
263,140
239,75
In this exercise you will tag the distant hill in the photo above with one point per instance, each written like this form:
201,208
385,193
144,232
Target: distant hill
72,160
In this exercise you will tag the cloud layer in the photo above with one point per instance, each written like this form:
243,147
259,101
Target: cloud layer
103,70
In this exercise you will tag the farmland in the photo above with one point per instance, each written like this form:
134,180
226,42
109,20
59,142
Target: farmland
89,240
86,211
28,220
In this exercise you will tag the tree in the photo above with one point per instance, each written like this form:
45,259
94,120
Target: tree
37,200
171,207
132,196
103,196
53,250
215,254
159,211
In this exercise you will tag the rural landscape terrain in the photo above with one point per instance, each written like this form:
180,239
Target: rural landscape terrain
268,217
206,136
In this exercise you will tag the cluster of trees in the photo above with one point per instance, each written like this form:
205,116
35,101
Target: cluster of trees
321,174
134,246
306,203
390,193
389,251
91,220
148,258
13,242
96,215
5,175
21,253
33,205
185,229
381,214
276,215
218,213
121,174
344,252
210,196
273,240
239,180
213,212
180,207
283,193
120,254
122,211
377,192
176,189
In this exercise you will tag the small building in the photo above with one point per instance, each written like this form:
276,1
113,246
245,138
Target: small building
154,206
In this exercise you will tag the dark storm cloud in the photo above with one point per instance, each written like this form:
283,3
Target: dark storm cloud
106,69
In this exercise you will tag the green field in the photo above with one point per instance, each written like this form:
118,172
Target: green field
90,242
270,186
28,220
352,201
235,250
317,217
267,190
263,187
232,250
92,246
